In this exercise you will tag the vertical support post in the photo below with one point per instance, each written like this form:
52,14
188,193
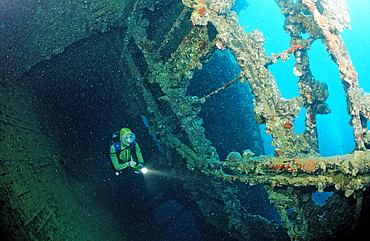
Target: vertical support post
339,54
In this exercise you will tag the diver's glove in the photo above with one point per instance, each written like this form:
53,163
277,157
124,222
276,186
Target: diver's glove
140,168
141,164
132,163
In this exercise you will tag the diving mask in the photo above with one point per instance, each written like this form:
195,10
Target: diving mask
128,137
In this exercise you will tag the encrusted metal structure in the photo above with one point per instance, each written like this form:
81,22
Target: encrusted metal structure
297,162
160,57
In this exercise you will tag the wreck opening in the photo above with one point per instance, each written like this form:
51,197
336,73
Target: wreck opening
332,141
232,106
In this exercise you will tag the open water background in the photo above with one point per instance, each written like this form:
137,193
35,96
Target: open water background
335,135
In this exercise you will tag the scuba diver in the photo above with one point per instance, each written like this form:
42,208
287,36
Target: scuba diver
125,152
125,158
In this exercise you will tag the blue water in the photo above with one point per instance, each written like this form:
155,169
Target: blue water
335,135
320,198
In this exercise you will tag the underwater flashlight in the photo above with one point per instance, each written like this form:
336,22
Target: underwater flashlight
144,170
